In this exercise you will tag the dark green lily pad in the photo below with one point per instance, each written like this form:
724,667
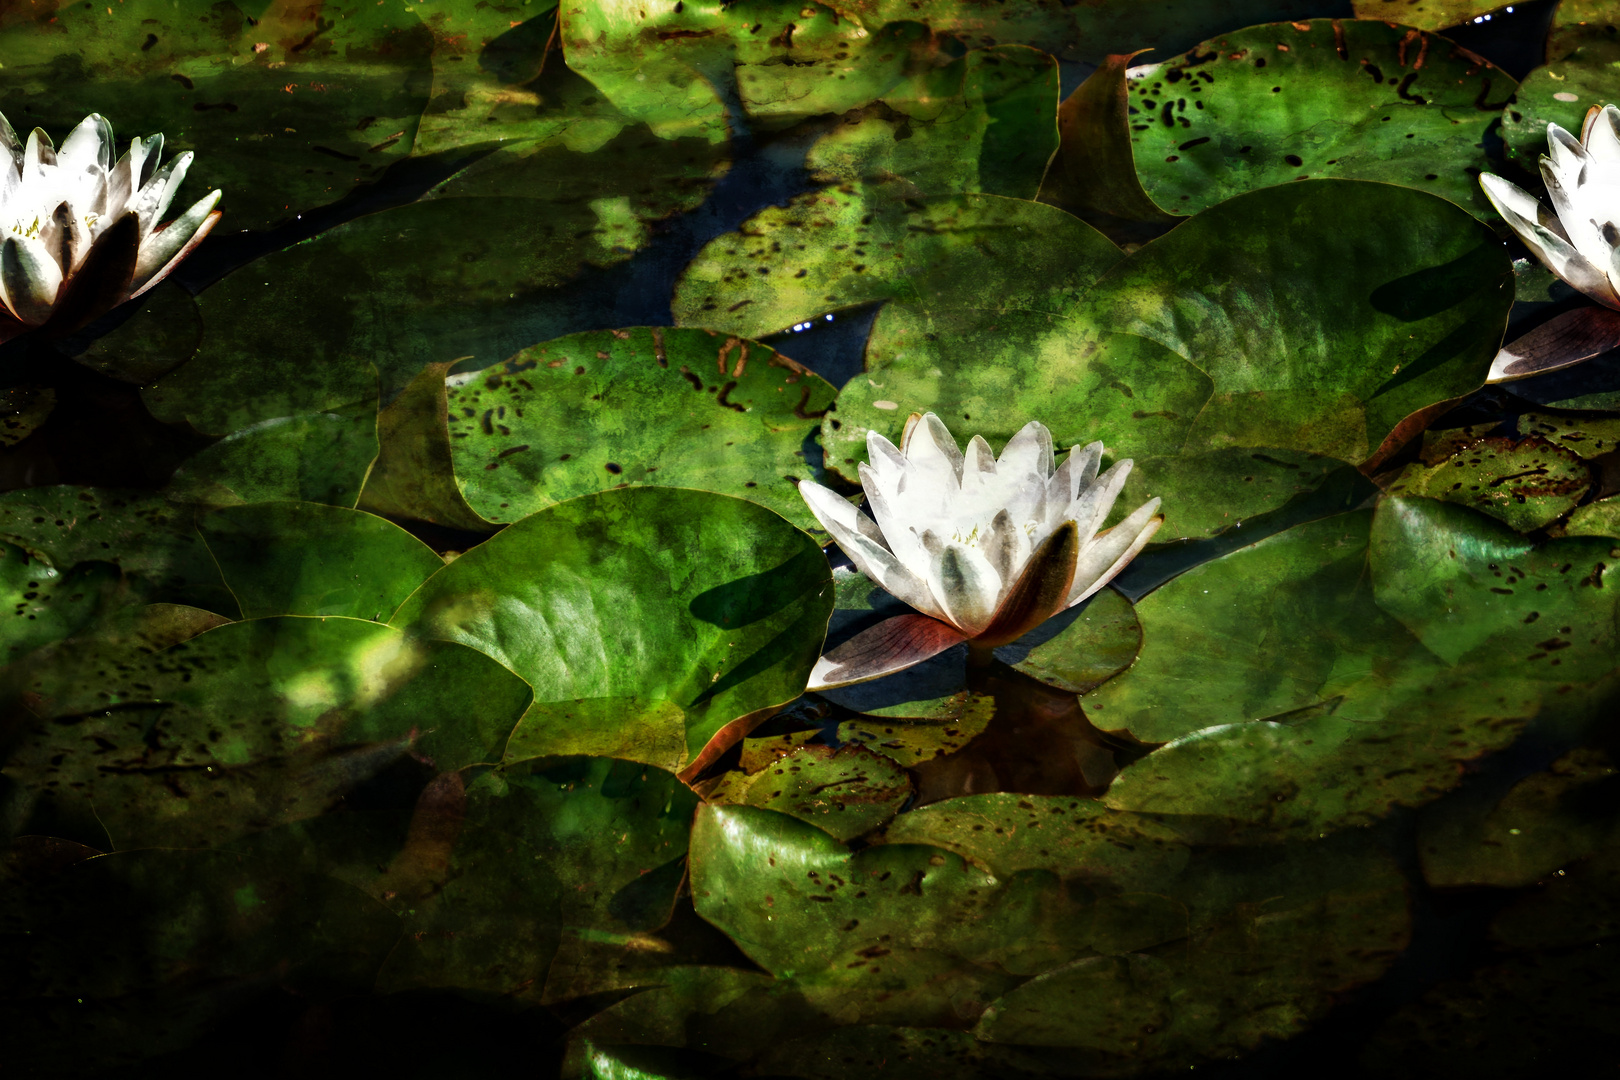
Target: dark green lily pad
1373,325
599,410
1581,22
323,458
1284,624
1313,772
1332,920
1544,822
1357,99
635,728
709,603
22,410
841,247
1476,592
40,604
1205,493
293,558
433,274
162,334
984,122
1528,483
1077,839
249,725
1579,906
414,475
1097,643
285,112
1424,14
151,540
990,373
846,792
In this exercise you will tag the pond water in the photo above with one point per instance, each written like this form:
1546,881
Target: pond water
412,600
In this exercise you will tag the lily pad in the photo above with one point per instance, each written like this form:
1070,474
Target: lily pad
40,604
22,410
1425,14
599,410
1587,436
1360,99
319,458
1559,92
1207,492
1545,821
1601,518
164,331
712,604
841,247
984,122
1077,839
1079,652
1476,592
846,792
150,539
1581,22
250,724
293,558
1374,324
433,273
1526,483
286,111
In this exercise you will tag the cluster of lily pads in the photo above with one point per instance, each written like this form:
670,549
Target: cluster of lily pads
394,626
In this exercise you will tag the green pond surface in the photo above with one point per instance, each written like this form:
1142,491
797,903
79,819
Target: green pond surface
409,605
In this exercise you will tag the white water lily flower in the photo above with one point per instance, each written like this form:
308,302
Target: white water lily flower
1580,241
79,234
985,548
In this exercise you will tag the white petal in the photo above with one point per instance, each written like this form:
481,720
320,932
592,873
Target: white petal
158,248
88,146
73,238
1566,155
39,153
888,463
1553,249
11,147
1516,204
978,462
151,202
1110,553
29,279
855,535
897,534
1078,471
1008,548
933,450
966,585
1581,213
1029,451
1601,137
1091,508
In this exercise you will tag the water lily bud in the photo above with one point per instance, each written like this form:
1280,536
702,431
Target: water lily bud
80,234
985,548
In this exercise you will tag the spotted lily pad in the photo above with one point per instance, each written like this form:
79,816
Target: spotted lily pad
1359,99
913,740
1581,22
846,792
705,608
680,408
1601,518
40,604
1587,436
1527,483
22,410
1560,92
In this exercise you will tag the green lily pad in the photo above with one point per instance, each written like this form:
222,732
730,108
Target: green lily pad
414,474
162,334
1425,14
323,458
1527,483
22,410
1587,436
285,112
1476,592
151,540
1313,772
293,558
1601,518
1358,99
1332,920
599,410
912,740
1577,907
1560,92
1581,22
1098,642
250,724
846,792
1077,839
432,272
984,122
841,247
1374,325
712,604
1283,624
1544,822
989,374
1205,493
40,604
